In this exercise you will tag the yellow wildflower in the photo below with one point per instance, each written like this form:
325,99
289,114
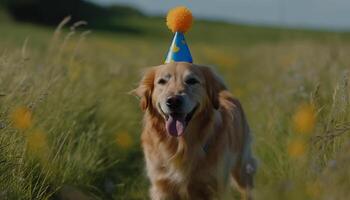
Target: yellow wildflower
304,119
221,58
287,60
37,143
313,190
124,140
21,118
296,148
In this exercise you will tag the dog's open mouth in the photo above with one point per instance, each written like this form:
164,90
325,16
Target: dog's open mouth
176,123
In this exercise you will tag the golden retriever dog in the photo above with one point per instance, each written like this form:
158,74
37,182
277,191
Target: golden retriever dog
195,138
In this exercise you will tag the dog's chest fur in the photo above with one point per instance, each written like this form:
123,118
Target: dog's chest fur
188,169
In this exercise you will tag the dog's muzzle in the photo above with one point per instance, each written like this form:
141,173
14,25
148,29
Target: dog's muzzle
176,122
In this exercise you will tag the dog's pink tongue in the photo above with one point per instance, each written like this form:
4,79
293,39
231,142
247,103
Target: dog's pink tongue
175,125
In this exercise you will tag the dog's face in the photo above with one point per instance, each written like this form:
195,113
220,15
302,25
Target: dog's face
178,92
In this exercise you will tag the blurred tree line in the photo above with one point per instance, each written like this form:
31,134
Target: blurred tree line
51,12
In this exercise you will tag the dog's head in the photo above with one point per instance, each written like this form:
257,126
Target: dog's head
179,92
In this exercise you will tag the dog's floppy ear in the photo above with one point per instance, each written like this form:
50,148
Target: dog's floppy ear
214,85
145,88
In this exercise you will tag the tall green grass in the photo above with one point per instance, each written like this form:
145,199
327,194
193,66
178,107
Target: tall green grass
68,126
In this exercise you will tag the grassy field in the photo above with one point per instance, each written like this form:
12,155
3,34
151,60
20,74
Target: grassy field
68,126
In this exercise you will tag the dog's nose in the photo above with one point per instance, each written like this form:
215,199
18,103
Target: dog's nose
174,102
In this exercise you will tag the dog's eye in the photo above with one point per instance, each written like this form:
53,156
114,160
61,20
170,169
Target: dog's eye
191,81
162,81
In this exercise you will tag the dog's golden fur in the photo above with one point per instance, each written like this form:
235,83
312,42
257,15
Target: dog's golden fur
214,152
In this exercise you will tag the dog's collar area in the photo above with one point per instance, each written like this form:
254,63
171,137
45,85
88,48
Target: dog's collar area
206,148
206,145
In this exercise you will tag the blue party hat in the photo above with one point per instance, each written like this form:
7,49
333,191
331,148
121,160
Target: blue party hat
179,20
179,51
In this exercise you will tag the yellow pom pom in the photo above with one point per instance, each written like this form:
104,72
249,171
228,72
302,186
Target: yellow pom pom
179,19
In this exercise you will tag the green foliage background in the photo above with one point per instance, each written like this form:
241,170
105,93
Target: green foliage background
75,83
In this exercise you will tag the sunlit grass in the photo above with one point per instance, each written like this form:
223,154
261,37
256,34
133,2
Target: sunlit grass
66,119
